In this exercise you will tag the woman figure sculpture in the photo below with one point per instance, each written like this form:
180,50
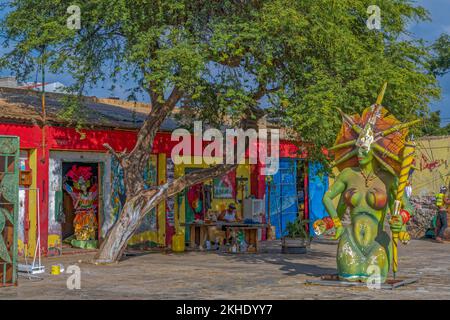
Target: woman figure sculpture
84,199
367,152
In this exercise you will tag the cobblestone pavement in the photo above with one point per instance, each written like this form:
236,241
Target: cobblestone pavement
268,275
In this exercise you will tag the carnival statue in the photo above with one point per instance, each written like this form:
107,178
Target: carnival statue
84,199
374,160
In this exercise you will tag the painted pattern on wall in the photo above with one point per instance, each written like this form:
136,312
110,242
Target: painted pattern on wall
432,166
149,223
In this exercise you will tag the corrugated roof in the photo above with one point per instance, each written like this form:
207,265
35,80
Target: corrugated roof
25,106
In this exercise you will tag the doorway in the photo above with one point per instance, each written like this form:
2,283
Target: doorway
81,192
283,206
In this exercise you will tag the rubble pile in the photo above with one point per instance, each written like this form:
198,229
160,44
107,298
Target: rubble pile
425,210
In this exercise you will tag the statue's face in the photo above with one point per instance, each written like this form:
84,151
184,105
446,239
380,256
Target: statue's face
364,143
365,155
84,185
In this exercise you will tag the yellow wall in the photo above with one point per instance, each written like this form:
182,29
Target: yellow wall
217,204
426,182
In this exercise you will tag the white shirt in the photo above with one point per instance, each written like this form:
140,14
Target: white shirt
230,216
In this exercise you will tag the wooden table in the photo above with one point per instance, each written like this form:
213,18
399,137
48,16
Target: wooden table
199,232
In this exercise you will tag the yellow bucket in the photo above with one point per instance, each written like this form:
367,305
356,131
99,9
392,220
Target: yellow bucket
56,269
178,243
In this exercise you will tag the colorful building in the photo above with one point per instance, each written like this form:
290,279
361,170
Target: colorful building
51,151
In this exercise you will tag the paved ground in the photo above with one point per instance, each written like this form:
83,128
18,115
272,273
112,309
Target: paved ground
269,275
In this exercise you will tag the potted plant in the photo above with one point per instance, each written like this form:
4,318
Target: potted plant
296,239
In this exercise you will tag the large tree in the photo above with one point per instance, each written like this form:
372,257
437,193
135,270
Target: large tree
292,60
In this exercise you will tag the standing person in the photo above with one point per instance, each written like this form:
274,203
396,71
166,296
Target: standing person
442,201
408,189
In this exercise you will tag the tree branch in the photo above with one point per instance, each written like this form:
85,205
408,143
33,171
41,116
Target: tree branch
262,91
119,156
135,162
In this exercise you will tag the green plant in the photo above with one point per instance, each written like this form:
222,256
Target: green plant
297,229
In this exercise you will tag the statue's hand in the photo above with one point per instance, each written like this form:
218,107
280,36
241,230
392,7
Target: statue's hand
396,223
339,232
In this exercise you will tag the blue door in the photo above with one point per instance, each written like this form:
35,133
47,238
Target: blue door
318,185
283,196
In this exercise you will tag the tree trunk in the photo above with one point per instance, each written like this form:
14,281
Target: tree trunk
137,206
115,241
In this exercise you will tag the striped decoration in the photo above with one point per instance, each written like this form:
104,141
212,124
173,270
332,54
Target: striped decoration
407,159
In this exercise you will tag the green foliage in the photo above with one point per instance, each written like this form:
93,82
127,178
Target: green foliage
432,125
297,229
295,60
440,62
73,111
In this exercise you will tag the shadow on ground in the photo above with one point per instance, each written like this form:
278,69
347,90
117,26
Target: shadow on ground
309,264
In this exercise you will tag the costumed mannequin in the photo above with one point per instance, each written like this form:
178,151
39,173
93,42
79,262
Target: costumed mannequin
195,201
374,161
85,204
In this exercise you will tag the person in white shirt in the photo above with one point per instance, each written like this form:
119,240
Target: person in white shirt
408,190
228,215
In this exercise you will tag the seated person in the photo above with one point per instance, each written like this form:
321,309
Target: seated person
228,215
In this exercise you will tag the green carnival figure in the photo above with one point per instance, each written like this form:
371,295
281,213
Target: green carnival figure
368,153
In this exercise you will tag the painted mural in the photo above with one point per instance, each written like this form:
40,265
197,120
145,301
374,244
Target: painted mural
225,186
432,170
149,223
117,190
170,202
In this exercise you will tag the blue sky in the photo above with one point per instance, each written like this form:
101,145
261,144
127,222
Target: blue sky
440,14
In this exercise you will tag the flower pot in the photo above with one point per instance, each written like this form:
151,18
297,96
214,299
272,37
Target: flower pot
294,245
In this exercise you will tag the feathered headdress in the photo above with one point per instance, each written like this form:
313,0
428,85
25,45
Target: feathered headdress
80,175
375,129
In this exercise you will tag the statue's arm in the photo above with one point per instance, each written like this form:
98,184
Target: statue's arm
406,204
336,189
69,190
